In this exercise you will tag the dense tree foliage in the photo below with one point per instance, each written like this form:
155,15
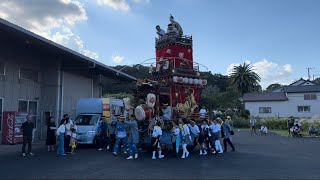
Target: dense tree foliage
222,92
274,86
245,79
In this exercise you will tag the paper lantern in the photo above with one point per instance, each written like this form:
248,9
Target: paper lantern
200,82
175,79
185,80
190,81
180,79
195,81
204,82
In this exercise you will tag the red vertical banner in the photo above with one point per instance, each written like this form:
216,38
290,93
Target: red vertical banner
8,128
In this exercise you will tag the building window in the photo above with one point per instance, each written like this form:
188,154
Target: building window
23,106
310,96
2,69
264,109
303,108
29,74
1,112
29,107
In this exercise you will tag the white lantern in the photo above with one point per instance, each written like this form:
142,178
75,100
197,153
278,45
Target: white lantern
180,79
200,82
190,81
195,81
185,80
175,79
204,82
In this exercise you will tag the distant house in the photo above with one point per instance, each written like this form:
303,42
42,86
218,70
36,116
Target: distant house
299,99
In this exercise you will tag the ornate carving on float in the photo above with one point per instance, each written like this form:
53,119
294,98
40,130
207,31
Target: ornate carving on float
190,104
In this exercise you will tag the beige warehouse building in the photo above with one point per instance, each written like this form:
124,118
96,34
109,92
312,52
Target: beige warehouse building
42,78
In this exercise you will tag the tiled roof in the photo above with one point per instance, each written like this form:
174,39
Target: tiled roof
270,96
302,89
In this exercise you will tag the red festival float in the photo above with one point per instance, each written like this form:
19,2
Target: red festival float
175,81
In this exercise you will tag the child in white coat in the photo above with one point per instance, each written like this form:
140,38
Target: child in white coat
155,141
186,138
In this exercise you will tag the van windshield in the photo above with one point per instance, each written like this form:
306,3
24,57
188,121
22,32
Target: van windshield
87,119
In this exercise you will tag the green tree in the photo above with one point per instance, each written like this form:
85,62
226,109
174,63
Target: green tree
218,80
274,86
317,81
244,78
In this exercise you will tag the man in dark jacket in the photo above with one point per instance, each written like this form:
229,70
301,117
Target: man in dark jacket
27,129
103,133
226,133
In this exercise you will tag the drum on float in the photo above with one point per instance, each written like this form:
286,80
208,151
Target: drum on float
142,112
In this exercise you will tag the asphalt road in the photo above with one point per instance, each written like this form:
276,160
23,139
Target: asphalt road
256,157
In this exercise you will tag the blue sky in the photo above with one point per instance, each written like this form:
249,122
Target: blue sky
279,37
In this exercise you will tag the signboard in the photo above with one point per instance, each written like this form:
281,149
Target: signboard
8,128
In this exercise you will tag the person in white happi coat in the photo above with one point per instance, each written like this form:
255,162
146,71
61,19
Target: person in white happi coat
155,141
203,112
186,138
263,130
161,33
211,138
195,133
172,31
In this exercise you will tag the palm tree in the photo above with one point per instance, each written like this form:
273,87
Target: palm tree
244,78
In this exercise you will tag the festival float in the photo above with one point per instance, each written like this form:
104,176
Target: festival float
175,80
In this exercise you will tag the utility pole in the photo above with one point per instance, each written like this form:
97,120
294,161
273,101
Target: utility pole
309,68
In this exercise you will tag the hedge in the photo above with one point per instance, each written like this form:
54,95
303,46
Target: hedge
277,124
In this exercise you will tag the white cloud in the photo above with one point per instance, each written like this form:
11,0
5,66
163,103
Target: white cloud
122,5
118,59
52,19
269,72
69,39
115,4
